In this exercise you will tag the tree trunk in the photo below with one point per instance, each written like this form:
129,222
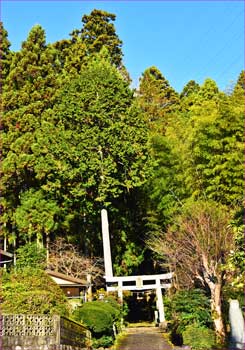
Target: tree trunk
47,248
215,289
214,280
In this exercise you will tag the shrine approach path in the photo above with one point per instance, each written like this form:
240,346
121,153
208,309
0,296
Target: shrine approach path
143,338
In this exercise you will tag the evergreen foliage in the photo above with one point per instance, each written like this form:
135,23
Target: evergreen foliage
98,316
36,216
75,138
189,89
99,31
5,55
188,310
28,92
240,84
86,150
31,255
156,98
32,291
105,341
188,95
188,307
71,55
199,337
100,143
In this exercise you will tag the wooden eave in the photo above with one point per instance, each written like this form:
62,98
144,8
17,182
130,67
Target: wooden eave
3,252
75,281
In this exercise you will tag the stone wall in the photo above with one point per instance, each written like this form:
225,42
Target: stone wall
42,332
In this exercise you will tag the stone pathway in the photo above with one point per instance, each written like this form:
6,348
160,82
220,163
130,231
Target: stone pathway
144,338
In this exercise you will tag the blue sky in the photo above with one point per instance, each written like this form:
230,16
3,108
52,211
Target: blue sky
184,39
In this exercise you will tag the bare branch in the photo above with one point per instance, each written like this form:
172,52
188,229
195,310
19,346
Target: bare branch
65,258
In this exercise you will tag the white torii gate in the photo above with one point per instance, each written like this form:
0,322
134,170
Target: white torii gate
137,283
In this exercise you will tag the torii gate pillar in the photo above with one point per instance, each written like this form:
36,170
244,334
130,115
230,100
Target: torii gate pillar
160,305
106,244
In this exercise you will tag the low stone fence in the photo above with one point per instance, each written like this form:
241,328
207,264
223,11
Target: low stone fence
42,332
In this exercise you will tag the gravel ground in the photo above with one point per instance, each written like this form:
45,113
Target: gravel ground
149,338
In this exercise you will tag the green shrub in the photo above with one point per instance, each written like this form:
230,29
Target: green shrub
184,308
105,341
198,337
31,255
189,307
32,291
98,316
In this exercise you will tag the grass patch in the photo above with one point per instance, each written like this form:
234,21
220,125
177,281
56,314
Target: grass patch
141,324
118,341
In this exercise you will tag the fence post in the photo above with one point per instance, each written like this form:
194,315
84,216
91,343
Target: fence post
57,326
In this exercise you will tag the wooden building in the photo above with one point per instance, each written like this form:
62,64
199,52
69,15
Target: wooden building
74,288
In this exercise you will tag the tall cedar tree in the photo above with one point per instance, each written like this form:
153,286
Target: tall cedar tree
99,31
190,88
99,148
5,55
29,91
188,94
5,60
156,98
